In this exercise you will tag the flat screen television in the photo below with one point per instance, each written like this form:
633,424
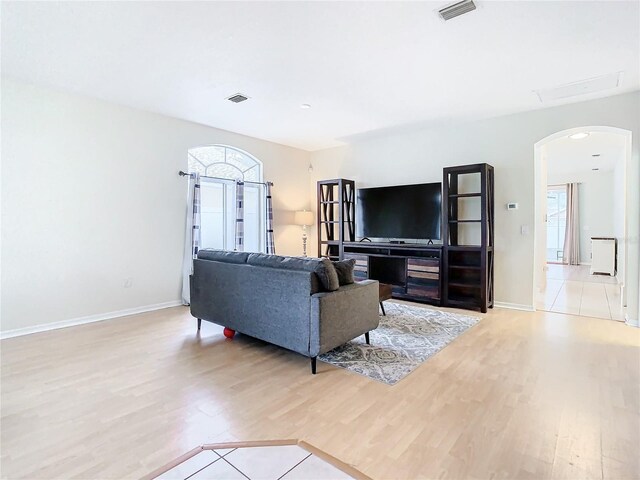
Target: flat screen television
400,212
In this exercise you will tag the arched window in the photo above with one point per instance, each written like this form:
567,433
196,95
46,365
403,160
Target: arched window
225,162
220,167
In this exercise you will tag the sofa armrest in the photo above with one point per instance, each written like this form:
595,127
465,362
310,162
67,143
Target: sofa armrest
340,316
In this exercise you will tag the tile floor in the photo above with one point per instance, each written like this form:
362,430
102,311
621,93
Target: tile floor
287,462
572,290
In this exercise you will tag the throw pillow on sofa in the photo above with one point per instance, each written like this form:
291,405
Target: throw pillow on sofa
327,274
344,269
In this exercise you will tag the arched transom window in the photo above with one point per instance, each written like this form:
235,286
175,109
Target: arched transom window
225,162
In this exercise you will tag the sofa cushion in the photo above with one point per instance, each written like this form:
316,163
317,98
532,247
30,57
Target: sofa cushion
223,256
344,269
322,267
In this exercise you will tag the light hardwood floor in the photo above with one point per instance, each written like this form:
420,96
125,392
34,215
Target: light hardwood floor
520,395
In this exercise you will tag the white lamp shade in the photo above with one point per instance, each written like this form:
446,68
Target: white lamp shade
303,217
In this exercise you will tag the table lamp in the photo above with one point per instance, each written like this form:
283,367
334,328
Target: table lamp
304,219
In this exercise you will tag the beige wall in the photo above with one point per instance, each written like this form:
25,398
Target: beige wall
91,197
419,154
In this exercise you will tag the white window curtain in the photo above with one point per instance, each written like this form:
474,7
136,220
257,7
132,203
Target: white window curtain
572,233
192,234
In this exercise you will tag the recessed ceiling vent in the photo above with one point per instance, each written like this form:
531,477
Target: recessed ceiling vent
237,98
582,87
457,9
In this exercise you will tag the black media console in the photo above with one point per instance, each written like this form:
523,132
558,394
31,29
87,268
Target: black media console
413,270
458,273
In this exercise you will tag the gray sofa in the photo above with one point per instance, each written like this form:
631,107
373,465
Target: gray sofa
282,300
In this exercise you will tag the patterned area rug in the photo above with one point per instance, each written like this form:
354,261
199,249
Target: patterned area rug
406,337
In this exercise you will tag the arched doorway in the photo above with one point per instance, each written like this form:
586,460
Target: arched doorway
565,147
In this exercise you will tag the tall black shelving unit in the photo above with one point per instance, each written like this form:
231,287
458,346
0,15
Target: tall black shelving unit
467,236
336,216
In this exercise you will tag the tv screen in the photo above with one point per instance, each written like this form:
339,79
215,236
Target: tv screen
401,212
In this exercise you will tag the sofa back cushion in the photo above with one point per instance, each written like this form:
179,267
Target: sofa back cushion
223,256
322,267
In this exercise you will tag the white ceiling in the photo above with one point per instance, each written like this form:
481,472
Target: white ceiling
567,157
363,66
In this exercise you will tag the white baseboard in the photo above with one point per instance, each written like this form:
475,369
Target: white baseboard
514,306
44,327
630,321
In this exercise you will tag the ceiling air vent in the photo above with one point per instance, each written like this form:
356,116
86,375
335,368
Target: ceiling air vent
457,9
237,98
582,87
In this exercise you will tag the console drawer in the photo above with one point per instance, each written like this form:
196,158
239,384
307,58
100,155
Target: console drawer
417,266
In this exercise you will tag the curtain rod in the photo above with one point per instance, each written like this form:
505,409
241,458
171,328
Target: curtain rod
185,174
563,184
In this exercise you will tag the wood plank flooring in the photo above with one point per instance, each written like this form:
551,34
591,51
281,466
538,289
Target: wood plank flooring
520,395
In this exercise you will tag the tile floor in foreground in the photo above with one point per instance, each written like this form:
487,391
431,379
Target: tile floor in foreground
571,289
287,462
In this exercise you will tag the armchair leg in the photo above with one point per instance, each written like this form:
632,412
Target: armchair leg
382,307
199,323
366,338
313,365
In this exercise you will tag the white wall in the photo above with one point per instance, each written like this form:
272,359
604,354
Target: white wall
540,234
596,212
413,155
91,197
618,218
596,204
